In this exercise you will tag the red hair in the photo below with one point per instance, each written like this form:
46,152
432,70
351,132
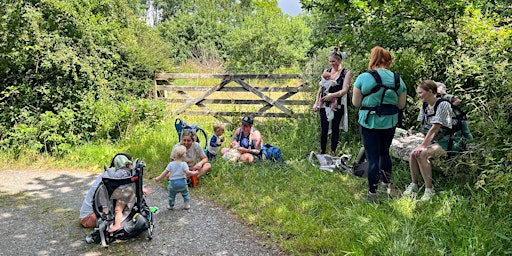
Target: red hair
379,58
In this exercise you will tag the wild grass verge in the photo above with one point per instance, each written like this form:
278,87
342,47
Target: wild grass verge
310,212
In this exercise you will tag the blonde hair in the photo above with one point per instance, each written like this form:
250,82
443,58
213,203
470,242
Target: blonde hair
379,58
179,152
218,126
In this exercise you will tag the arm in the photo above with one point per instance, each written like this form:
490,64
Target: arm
402,99
163,174
318,101
213,141
428,139
455,101
191,173
344,89
258,144
357,97
200,164
234,141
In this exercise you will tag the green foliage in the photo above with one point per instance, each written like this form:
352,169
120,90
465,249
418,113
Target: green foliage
242,36
56,55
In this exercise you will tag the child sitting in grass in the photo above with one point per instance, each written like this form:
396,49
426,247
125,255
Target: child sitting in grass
216,141
177,171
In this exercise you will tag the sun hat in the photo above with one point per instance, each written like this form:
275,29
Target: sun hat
247,120
441,88
120,161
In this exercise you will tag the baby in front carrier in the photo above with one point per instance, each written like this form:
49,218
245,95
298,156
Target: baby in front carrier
325,84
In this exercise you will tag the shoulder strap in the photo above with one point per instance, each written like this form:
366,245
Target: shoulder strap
439,100
378,80
397,81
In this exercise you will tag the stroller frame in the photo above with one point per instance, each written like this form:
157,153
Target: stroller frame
138,220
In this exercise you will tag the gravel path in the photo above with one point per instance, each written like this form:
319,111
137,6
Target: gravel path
39,213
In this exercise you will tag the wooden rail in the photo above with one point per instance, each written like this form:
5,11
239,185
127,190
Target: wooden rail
270,97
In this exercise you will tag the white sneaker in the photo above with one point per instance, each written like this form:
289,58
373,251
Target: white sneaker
170,207
429,193
187,205
412,188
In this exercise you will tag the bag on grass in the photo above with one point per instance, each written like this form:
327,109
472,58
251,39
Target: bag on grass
330,163
360,165
272,153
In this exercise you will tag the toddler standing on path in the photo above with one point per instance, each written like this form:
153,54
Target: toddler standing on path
178,171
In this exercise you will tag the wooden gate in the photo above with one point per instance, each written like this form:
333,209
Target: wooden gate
233,94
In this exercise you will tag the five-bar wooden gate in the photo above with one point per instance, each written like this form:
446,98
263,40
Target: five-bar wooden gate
232,92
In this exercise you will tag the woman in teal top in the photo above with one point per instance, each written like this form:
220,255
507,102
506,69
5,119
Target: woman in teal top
379,105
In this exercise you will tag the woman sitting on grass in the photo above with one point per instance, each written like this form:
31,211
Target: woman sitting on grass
195,158
247,141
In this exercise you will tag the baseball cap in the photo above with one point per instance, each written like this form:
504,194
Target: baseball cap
247,120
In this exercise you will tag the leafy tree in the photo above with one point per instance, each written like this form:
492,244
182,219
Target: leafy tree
267,40
55,55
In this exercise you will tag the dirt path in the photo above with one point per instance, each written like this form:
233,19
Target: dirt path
39,213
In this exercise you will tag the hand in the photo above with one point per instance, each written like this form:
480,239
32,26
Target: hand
147,190
315,107
157,179
197,167
327,97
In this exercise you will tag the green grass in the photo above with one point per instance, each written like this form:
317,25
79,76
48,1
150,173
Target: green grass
310,212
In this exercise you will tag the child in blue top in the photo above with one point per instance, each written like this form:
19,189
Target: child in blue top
216,141
178,172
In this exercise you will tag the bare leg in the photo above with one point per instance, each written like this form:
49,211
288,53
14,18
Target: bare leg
118,216
205,169
414,168
434,150
249,158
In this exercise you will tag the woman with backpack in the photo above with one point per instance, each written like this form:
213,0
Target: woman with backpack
379,94
342,77
434,126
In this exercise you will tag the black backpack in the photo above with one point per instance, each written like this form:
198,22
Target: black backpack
460,116
384,109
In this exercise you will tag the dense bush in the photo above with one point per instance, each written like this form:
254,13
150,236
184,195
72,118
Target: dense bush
55,56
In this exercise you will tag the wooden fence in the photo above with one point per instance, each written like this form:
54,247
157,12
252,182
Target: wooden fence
279,97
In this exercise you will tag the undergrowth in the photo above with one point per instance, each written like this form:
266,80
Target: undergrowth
310,212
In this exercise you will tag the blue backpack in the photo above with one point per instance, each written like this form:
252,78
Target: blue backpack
272,153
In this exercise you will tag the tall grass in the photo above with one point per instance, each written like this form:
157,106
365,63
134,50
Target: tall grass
310,212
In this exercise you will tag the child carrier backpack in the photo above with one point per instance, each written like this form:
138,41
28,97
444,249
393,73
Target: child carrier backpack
384,109
460,116
180,125
272,153
139,217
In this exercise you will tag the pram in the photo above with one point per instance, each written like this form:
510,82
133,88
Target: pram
137,216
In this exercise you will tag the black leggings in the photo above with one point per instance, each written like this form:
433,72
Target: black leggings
335,124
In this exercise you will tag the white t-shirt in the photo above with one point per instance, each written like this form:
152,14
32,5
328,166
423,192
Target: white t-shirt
177,170
193,154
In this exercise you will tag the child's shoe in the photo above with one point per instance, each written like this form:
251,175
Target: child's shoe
170,207
187,205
